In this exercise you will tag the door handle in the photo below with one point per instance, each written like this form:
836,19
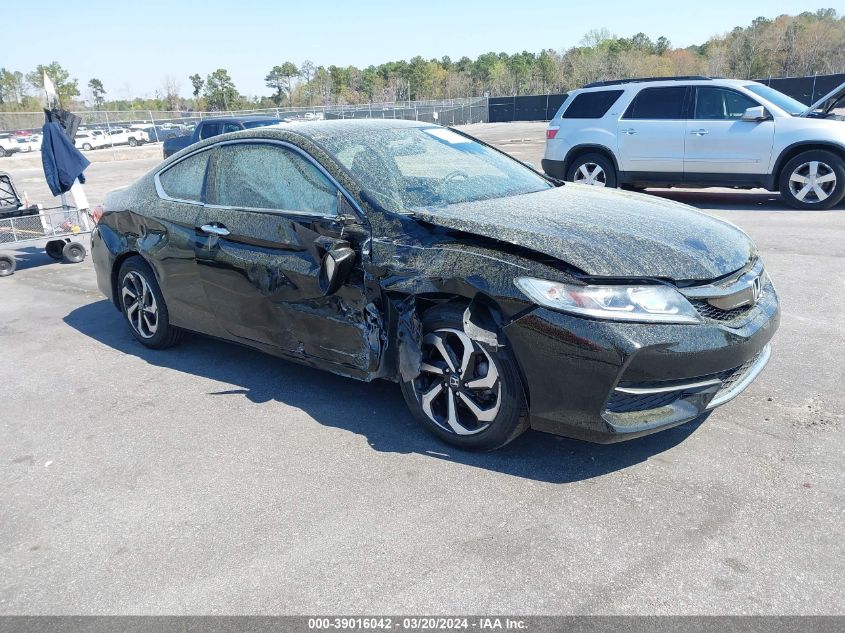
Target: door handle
629,131
214,229
699,132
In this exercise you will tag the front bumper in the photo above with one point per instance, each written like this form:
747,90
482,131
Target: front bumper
607,381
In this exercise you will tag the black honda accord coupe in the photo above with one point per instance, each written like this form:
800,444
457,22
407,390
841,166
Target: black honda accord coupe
498,299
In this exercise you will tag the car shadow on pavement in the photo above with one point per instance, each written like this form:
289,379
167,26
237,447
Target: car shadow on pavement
374,410
738,200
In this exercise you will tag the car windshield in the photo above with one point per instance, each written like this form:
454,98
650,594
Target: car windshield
412,168
251,124
784,102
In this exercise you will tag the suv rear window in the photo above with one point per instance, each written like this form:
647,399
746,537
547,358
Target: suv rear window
658,104
591,105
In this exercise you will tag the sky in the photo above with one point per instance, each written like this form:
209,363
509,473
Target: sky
132,51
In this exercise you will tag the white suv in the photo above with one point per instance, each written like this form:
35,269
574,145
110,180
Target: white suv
700,132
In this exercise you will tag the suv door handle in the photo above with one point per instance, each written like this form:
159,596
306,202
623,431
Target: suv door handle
701,132
629,131
214,229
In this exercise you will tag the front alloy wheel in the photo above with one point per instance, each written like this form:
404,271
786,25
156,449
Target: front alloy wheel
466,394
813,180
458,387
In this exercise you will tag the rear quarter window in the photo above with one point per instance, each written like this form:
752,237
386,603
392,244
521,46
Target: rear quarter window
591,105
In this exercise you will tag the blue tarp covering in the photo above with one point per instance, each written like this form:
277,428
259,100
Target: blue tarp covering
63,163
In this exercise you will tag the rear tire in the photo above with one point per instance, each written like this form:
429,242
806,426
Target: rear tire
592,169
132,142
54,249
7,265
74,252
3,152
498,398
813,180
87,147
143,306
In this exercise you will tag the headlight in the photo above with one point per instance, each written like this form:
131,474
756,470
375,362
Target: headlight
655,303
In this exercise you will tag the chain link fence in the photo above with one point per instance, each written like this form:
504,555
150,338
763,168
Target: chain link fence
161,124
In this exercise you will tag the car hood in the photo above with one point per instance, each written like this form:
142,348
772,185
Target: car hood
833,99
606,233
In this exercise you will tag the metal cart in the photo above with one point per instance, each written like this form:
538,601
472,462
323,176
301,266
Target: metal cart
63,232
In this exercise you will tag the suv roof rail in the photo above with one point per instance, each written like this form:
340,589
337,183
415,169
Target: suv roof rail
633,80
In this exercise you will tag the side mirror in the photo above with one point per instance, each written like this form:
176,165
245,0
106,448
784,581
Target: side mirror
335,267
755,114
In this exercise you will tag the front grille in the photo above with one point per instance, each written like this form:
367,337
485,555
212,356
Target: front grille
731,377
713,313
629,402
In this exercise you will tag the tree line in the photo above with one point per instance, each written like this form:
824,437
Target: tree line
804,44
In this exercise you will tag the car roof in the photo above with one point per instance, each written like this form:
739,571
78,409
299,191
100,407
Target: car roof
668,81
242,119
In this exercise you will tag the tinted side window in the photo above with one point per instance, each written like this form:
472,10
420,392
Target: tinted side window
715,104
658,103
210,129
231,127
591,105
185,179
264,176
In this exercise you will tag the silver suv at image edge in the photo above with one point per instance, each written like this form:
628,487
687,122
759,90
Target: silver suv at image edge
700,132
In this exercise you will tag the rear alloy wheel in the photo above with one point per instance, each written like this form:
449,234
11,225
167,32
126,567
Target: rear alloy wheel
132,142
592,169
813,180
143,305
465,394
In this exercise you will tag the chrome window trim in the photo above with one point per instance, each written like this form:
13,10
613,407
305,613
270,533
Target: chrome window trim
163,194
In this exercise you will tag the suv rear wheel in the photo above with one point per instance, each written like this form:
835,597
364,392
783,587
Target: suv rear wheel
592,169
813,180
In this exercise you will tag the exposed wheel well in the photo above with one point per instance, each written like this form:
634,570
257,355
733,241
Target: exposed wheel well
791,152
581,150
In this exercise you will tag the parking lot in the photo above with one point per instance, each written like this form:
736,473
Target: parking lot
213,479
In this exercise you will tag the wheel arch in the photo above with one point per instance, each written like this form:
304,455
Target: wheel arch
589,148
115,270
483,315
791,151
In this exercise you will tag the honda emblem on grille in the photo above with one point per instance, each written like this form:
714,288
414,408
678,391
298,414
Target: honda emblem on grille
757,285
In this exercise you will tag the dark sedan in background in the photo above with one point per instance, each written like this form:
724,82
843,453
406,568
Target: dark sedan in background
497,298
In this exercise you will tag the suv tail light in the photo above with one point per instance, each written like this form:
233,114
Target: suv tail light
551,132
97,214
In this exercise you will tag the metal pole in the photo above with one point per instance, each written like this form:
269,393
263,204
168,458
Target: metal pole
108,127
153,121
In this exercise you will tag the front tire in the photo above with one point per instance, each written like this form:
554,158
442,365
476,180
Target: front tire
143,305
592,169
87,147
813,180
132,142
466,394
